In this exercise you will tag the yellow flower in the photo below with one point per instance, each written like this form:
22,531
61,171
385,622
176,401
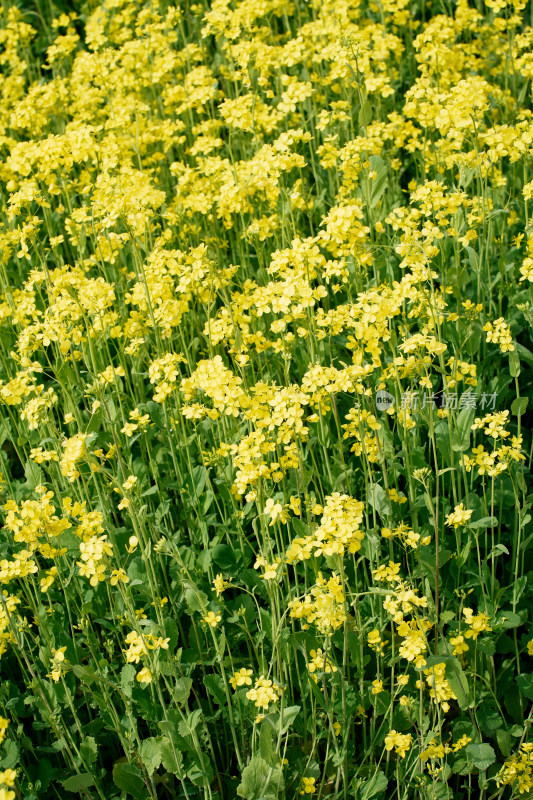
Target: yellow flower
241,678
129,483
459,645
118,575
460,743
263,693
144,675
46,582
211,619
308,786
459,516
220,585
401,742
3,728
374,641
58,662
275,511
478,623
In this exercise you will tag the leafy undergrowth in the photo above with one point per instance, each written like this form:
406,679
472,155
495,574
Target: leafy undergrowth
265,362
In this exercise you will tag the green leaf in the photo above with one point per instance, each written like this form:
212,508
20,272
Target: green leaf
514,363
128,778
186,727
377,784
171,757
379,500
171,632
465,552
194,484
486,522
89,750
301,528
266,748
32,473
518,589
10,756
525,684
223,556
150,752
507,619
447,617
462,430
85,674
182,690
195,598
458,683
519,405
259,781
127,676
381,702
432,661
365,115
157,413
286,718
215,685
473,258
482,755
505,742
497,550
526,354
379,183
442,437
78,783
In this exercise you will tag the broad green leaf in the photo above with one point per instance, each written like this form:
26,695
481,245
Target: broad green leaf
379,500
365,115
10,754
78,783
266,747
379,183
171,757
497,550
482,755
373,787
514,363
85,674
89,750
481,524
505,742
462,430
127,677
223,556
195,598
215,685
519,406
187,726
182,690
128,778
525,684
458,683
150,752
281,722
260,781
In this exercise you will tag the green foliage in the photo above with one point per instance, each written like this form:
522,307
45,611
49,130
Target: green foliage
266,339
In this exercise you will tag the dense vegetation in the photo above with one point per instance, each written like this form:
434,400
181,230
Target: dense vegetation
265,360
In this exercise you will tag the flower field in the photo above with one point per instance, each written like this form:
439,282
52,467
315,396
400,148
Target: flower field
266,352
